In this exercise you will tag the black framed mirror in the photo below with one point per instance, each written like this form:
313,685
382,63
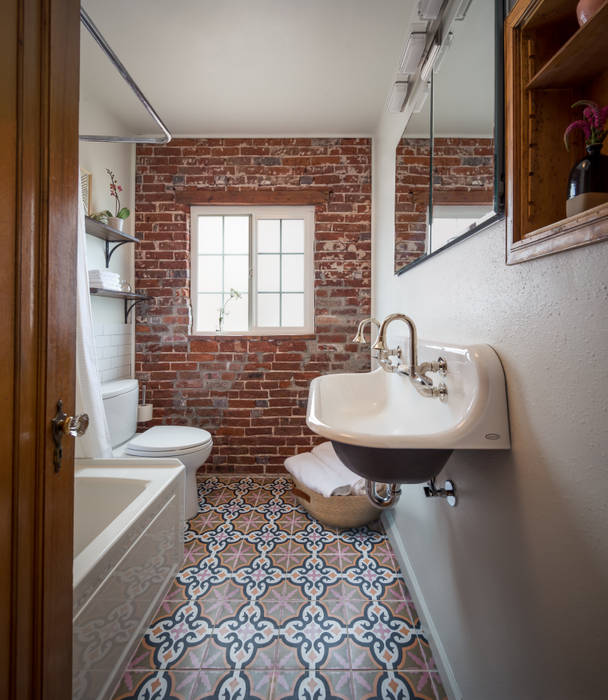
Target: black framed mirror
463,118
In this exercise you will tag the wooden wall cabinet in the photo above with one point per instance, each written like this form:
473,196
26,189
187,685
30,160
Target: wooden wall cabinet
549,63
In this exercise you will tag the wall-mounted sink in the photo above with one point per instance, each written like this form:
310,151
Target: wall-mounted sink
384,430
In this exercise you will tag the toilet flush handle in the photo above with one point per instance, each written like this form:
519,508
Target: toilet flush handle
61,425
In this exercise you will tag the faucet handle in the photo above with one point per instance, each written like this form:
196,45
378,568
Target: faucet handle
384,356
391,352
440,366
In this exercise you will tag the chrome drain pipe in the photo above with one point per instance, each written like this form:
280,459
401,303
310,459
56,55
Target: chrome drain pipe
391,495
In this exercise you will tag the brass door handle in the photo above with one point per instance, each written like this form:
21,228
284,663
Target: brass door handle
75,426
61,425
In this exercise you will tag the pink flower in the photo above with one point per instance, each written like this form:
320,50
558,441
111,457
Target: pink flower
592,123
580,124
115,188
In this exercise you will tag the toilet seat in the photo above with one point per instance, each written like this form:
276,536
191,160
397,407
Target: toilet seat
168,440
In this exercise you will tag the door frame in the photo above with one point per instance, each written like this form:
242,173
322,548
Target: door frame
39,50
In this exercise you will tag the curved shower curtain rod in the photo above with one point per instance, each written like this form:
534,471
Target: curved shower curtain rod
98,36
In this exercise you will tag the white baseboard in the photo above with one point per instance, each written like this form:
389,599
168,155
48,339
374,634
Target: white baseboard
439,653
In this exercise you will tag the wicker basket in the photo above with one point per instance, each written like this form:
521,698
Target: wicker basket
336,511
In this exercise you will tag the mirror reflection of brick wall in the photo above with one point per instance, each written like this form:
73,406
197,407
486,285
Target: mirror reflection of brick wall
461,166
412,166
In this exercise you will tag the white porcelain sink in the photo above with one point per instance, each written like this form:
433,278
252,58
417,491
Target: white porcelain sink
405,437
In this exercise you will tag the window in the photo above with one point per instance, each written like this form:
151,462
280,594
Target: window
264,254
451,221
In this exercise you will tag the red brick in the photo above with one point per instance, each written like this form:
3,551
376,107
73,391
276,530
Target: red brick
250,392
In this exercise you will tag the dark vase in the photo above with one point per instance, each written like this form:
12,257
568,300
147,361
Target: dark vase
590,174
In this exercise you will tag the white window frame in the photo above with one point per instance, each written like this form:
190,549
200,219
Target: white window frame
307,213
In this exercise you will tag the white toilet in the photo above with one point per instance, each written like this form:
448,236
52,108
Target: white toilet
191,446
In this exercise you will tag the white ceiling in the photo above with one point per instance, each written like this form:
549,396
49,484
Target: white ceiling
247,67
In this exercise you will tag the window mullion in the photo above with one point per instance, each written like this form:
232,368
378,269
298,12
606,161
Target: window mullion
223,256
252,244
280,272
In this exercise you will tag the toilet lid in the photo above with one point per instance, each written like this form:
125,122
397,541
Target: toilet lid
168,438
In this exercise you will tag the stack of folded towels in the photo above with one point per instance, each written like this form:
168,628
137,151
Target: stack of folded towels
104,279
322,471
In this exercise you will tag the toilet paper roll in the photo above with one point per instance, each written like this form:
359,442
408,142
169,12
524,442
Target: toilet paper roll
144,412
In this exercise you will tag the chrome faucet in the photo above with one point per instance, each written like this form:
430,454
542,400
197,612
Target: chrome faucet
417,373
360,337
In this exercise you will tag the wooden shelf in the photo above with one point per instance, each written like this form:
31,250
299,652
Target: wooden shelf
107,233
587,227
557,11
98,291
125,296
537,109
581,58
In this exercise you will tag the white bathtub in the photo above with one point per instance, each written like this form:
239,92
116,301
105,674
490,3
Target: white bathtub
128,545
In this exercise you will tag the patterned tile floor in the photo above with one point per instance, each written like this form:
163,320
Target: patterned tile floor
271,605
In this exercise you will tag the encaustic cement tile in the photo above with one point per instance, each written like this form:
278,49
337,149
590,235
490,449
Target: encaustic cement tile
176,638
389,685
233,685
269,603
156,685
312,685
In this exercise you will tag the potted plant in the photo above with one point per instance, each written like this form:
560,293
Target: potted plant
116,220
588,180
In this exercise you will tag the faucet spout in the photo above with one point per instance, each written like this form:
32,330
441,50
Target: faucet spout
380,344
417,373
360,337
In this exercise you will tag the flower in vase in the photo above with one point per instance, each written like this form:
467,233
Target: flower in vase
592,124
115,189
222,309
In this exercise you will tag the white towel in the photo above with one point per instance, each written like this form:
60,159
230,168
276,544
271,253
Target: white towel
104,279
322,471
327,454
103,273
105,285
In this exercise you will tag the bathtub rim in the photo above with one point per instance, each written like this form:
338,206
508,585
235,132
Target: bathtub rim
161,472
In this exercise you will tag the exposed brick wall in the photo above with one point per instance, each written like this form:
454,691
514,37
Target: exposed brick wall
412,163
463,164
249,392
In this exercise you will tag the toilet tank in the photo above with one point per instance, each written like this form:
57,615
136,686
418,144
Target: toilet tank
120,403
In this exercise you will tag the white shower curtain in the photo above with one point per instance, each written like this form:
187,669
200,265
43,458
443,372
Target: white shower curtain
96,441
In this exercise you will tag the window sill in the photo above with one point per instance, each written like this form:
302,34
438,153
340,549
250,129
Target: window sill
304,335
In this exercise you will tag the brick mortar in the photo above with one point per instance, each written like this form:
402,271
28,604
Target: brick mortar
250,392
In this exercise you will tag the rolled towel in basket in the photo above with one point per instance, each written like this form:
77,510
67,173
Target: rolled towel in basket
322,471
327,454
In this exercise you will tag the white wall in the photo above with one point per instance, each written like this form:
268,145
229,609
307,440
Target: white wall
113,339
515,578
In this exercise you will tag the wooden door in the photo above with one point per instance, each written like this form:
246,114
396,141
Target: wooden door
39,54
